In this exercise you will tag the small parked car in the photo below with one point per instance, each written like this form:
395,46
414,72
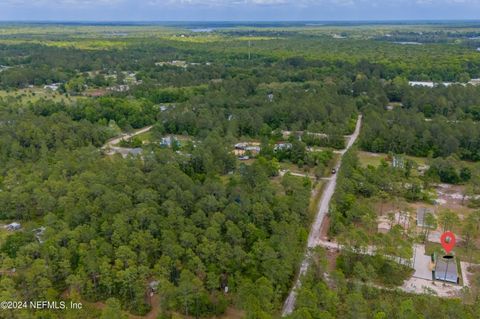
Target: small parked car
334,171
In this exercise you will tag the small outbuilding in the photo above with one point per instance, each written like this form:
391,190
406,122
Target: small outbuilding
241,146
398,161
13,226
53,86
241,149
166,141
135,151
253,149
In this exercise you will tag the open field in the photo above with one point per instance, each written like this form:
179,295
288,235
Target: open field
375,159
35,94
293,168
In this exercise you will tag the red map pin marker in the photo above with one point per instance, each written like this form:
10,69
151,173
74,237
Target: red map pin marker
448,241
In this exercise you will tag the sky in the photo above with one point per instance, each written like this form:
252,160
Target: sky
235,10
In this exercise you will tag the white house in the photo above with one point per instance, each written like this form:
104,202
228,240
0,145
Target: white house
282,146
13,226
166,141
53,86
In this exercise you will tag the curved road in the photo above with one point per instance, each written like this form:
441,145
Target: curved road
314,238
111,149
114,141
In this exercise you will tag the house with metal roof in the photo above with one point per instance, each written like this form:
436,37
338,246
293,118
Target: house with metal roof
446,269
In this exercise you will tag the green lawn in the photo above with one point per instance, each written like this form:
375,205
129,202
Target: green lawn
145,137
372,159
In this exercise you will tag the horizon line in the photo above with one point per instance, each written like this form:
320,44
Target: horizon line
234,20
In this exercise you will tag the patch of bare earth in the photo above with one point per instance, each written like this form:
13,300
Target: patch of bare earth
325,227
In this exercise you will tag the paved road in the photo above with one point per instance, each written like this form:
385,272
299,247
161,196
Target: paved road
314,238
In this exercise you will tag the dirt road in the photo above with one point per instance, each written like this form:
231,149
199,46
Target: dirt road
114,141
314,238
110,147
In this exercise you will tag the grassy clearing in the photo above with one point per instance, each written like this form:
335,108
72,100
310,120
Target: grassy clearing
295,169
89,44
197,39
3,234
209,38
372,159
35,94
253,38
375,159
145,137
310,170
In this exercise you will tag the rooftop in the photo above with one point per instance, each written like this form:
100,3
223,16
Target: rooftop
446,269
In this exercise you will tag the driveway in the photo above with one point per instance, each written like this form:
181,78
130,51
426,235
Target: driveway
114,141
421,263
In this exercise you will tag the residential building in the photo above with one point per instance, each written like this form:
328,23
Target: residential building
13,226
282,146
446,269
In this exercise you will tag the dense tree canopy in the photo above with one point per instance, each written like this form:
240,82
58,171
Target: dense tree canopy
200,228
